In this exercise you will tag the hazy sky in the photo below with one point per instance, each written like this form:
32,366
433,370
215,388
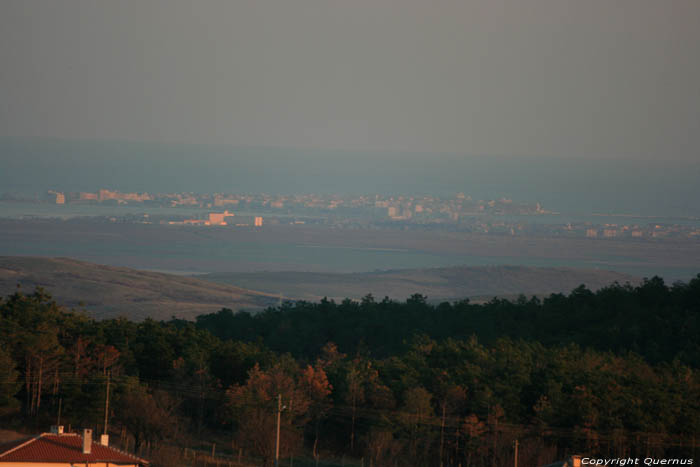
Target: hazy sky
566,78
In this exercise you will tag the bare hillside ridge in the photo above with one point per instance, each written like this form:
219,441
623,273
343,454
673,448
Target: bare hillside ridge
107,291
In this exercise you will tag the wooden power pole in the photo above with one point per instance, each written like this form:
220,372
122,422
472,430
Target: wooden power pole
279,419
109,375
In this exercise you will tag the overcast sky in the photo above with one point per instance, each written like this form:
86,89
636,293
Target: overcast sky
564,78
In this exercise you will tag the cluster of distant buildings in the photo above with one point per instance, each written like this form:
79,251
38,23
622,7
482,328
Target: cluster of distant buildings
177,199
453,209
100,196
217,219
460,212
393,207
637,231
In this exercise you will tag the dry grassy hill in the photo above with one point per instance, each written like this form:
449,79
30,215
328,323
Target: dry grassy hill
107,291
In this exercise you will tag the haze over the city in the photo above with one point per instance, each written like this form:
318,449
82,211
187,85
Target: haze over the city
584,105
595,79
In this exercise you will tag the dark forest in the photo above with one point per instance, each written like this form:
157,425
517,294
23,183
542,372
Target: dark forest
375,382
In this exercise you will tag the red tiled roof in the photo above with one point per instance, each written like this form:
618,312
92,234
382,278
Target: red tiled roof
68,447
9,445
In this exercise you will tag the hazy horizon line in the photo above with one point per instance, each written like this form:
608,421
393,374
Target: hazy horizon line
315,150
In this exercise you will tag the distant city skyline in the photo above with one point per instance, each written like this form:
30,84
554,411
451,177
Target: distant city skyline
657,188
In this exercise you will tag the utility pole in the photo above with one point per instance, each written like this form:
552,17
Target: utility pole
516,453
109,375
442,431
291,412
279,419
58,422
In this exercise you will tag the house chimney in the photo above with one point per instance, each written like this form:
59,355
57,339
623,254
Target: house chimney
104,440
87,441
57,429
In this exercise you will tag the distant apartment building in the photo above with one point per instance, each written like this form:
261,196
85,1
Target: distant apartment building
88,196
193,222
224,201
591,233
392,211
219,218
609,233
60,197
258,221
184,200
213,218
105,195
